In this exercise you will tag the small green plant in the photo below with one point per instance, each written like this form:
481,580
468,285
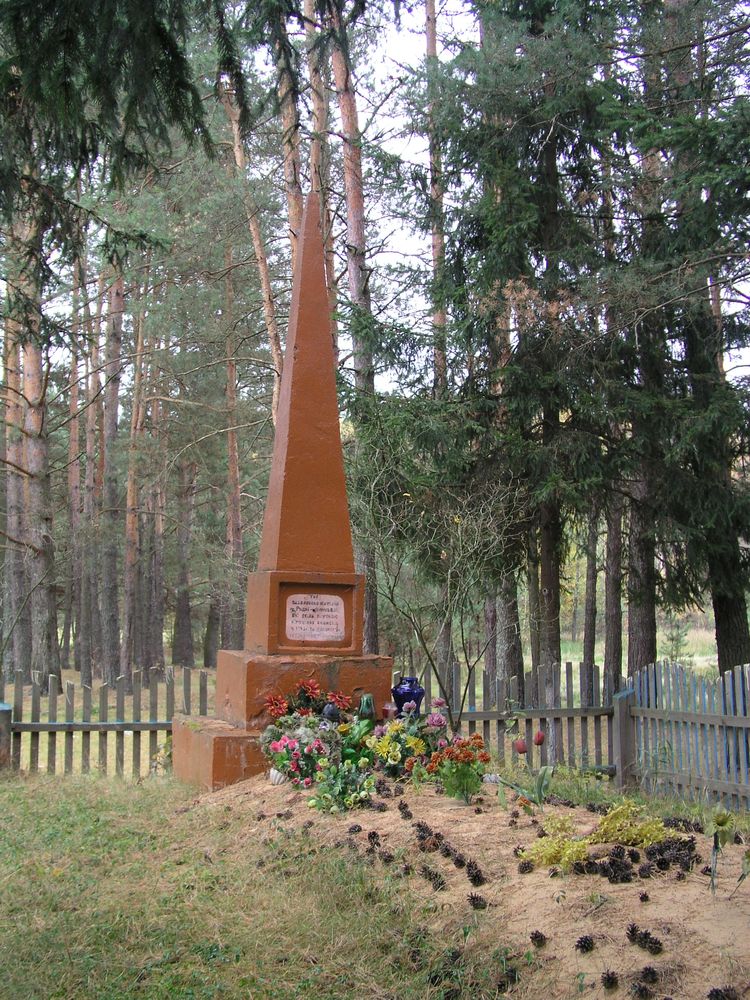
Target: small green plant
720,827
342,786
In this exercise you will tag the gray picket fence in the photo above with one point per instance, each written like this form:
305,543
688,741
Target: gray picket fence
53,731
692,735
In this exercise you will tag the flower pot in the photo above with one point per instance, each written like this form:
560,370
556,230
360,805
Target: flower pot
277,777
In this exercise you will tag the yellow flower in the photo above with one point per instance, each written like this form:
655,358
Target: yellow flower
394,756
371,742
417,745
383,746
396,726
344,728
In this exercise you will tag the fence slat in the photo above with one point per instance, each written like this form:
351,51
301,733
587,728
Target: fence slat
36,715
187,678
153,714
86,737
501,702
486,704
15,751
70,695
585,703
203,693
169,684
136,718
120,717
571,723
513,696
597,718
103,716
52,716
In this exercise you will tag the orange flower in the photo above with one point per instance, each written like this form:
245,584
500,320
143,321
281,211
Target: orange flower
310,688
276,705
340,700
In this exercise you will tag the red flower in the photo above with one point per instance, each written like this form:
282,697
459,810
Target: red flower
538,738
309,688
304,711
340,700
276,705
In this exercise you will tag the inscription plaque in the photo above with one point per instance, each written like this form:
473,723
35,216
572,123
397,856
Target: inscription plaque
315,618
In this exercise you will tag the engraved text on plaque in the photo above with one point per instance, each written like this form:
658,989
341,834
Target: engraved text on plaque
315,618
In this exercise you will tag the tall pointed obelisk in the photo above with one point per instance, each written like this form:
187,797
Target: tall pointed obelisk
304,602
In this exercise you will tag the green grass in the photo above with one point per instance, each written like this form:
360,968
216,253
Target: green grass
118,891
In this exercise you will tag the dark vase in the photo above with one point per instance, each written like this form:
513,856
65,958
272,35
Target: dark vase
408,689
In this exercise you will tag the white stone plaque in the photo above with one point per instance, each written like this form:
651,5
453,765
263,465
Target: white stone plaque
315,618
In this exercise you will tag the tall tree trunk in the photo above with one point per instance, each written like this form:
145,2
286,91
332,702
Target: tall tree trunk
320,156
211,635
45,657
182,643
17,617
589,613
437,223
358,277
287,94
641,583
132,551
532,586
261,259
613,595
232,625
108,590
491,641
509,633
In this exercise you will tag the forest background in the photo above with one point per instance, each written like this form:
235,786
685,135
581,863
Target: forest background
535,216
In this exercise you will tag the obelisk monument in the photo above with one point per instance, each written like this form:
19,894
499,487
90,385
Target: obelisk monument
305,601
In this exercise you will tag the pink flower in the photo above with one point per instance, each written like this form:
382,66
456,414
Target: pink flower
436,720
439,703
296,755
276,746
442,744
410,706
307,782
294,765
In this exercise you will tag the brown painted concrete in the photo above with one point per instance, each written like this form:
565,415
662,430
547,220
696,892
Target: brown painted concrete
244,681
305,602
306,524
211,753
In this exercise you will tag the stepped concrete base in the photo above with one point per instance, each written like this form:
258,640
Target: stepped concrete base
211,753
244,680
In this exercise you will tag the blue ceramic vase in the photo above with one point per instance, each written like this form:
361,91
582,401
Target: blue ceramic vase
408,689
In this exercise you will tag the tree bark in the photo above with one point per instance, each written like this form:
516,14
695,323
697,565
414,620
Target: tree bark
641,583
613,595
287,93
491,641
232,618
132,553
108,590
261,258
437,224
182,643
16,616
532,586
510,653
589,613
211,636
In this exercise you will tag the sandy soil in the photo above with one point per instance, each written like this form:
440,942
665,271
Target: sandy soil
706,938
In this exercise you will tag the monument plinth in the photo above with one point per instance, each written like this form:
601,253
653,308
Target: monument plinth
305,602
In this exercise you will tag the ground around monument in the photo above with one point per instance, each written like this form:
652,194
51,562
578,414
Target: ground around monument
705,937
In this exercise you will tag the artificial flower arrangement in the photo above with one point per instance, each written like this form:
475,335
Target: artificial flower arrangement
460,766
321,746
404,744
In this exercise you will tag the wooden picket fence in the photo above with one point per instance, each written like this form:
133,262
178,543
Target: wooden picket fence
571,707
692,735
53,731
